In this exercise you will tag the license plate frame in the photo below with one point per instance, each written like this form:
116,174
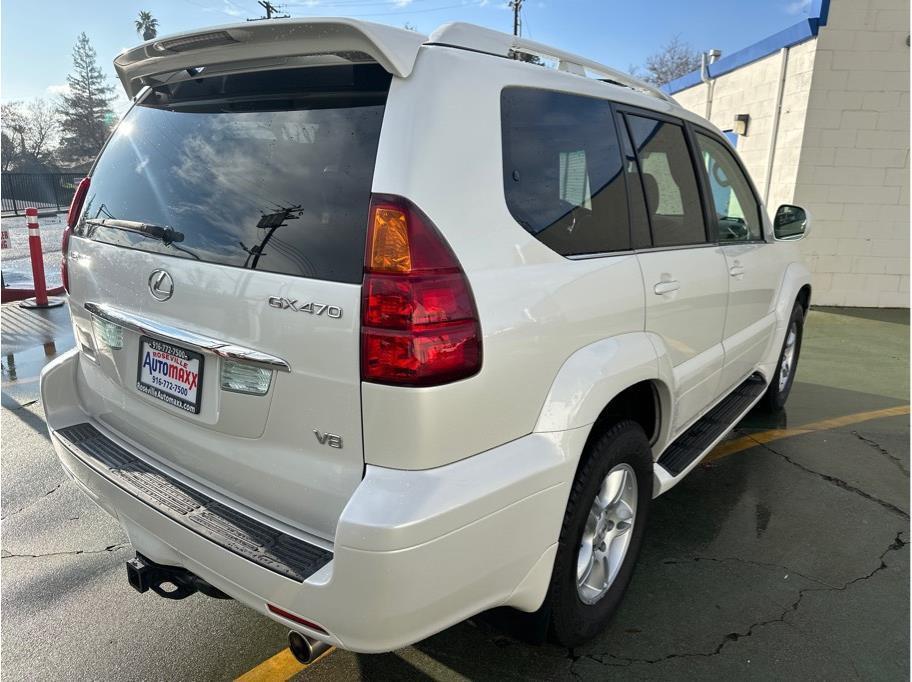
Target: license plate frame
170,380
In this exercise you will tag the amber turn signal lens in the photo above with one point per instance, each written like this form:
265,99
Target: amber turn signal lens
390,245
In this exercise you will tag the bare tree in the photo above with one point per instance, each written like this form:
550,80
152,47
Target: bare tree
29,135
676,58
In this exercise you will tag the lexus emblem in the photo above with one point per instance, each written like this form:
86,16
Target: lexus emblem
161,286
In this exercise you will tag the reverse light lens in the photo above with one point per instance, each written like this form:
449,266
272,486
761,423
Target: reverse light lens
107,333
241,378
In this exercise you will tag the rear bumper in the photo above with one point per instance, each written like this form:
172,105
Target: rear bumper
414,551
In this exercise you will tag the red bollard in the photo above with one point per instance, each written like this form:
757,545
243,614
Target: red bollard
41,299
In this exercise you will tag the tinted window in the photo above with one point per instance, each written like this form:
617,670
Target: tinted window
639,221
736,209
562,171
672,197
270,173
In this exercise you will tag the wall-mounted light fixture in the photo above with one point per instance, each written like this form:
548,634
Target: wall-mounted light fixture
741,121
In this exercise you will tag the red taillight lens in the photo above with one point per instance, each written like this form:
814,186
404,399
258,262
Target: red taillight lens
419,321
72,216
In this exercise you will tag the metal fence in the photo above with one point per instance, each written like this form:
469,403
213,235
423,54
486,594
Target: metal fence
44,191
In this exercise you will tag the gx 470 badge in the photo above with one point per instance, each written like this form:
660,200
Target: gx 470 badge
282,303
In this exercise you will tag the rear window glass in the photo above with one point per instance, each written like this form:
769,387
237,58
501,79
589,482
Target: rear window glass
269,171
563,178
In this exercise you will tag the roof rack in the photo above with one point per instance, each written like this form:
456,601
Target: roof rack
471,37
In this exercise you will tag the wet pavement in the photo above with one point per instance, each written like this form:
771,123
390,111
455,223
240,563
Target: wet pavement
786,557
16,262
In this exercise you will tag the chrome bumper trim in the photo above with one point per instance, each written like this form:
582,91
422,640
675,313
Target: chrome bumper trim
166,332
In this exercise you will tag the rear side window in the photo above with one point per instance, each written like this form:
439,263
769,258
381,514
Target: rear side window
269,171
562,171
669,183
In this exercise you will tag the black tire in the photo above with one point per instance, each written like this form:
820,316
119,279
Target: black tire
572,620
777,393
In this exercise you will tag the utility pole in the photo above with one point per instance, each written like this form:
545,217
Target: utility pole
270,10
516,6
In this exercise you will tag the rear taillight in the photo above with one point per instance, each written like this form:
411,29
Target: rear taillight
419,324
72,216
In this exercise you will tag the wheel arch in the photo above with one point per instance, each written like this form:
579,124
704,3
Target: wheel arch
615,378
804,297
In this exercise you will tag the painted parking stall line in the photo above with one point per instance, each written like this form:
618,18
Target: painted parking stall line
753,440
283,665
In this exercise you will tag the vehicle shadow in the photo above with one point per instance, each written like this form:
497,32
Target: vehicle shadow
714,547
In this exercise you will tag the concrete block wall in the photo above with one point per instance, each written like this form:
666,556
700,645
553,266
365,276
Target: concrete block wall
854,168
752,90
842,149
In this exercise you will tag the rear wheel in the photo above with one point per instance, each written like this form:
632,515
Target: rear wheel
602,533
781,385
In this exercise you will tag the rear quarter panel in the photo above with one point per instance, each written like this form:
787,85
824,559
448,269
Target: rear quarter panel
441,148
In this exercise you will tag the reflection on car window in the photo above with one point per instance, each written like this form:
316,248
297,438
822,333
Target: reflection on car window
259,174
737,210
562,171
669,184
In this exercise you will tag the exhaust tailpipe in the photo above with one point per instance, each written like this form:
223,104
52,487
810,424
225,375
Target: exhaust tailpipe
306,649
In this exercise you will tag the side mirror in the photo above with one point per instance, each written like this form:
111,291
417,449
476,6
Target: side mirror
791,223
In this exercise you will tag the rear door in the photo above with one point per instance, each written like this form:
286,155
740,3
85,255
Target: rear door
684,274
754,268
215,283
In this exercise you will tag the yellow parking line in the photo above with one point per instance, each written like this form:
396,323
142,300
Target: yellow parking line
282,666
738,444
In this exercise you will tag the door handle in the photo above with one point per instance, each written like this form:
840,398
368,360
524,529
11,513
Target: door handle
666,287
736,271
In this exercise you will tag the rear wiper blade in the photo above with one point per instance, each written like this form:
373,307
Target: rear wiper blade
163,233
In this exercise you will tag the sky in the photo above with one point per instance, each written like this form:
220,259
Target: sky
37,38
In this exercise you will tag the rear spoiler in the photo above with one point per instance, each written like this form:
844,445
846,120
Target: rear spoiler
267,44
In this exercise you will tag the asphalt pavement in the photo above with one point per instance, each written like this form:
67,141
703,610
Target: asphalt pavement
784,555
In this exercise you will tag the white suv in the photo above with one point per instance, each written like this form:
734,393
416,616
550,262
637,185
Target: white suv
376,331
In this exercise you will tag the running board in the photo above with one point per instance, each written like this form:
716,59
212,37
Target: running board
694,442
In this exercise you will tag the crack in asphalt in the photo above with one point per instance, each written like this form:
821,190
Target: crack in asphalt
838,482
19,406
33,502
109,548
613,660
762,564
882,450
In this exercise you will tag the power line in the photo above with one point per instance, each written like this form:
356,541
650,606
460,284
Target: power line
270,10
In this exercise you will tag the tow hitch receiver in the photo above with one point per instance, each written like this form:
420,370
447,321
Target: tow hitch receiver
170,582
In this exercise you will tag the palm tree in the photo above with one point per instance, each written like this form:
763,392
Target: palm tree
147,25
